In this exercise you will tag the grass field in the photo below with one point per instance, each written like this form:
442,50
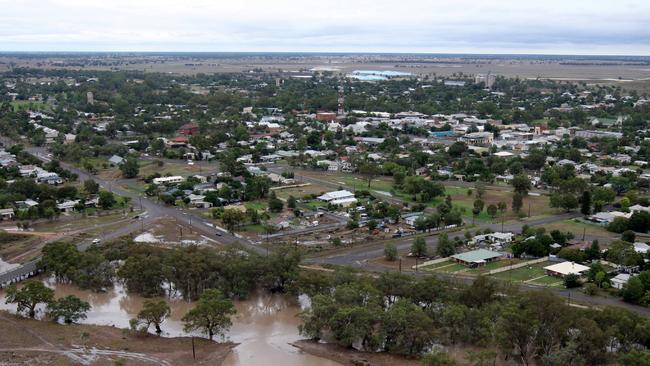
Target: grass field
299,192
580,227
29,105
524,273
445,267
494,265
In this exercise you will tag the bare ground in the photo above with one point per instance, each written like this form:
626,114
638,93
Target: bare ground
34,342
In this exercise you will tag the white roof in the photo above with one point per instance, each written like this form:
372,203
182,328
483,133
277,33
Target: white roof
503,154
621,278
641,247
566,268
336,195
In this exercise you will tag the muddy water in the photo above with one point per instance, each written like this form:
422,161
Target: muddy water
264,325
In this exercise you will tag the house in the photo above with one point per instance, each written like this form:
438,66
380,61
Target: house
343,198
198,201
641,248
566,268
6,214
326,116
189,129
116,160
411,217
477,258
49,178
639,208
496,239
620,280
168,180
67,206
607,217
478,138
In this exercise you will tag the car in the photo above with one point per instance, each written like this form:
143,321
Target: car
190,162
96,241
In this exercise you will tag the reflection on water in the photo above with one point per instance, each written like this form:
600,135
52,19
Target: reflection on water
264,325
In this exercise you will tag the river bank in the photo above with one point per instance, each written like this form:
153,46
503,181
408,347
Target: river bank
262,332
36,342
350,357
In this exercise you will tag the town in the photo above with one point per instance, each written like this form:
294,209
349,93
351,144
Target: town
475,210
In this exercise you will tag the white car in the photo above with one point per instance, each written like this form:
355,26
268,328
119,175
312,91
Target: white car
190,162
96,241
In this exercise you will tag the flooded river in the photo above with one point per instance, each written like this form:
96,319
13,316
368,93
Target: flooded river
264,325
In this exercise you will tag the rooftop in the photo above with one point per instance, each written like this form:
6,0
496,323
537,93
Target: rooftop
476,255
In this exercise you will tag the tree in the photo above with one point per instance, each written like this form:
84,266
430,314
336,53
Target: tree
130,168
106,200
517,202
628,236
91,187
419,247
445,246
275,204
153,312
521,184
390,252
571,280
30,295
292,202
502,206
70,308
585,203
232,218
492,210
437,358
372,225
516,331
409,330
370,170
211,314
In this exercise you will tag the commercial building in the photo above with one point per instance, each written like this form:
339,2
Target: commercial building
168,180
343,198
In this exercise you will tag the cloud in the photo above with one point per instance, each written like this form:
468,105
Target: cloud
549,26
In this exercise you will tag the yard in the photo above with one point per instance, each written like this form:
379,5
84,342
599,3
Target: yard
533,274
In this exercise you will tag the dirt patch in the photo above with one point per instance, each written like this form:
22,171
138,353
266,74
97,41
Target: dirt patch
34,342
350,357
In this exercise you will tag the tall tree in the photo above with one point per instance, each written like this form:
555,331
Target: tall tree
70,308
154,312
30,295
211,314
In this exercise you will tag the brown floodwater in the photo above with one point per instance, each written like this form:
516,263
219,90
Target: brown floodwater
264,325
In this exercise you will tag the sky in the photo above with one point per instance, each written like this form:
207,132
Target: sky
590,27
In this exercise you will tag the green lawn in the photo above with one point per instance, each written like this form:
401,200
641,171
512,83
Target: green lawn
548,281
524,273
494,265
27,104
256,205
446,267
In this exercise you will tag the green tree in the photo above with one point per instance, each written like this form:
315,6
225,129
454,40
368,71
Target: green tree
492,210
445,246
390,252
154,312
106,200
211,314
419,247
437,358
30,295
292,202
585,203
91,187
70,308
521,184
275,204
409,331
130,168
517,202
232,218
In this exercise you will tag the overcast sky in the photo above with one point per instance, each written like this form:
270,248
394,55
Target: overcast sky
458,26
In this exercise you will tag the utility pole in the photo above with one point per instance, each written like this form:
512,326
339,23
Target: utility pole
584,231
528,209
400,265
193,349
